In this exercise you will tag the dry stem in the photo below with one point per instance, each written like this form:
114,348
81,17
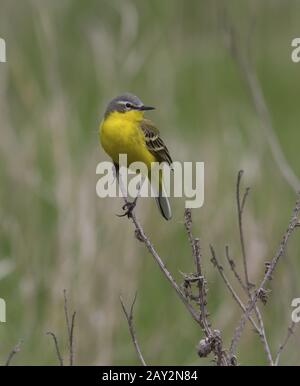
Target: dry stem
129,317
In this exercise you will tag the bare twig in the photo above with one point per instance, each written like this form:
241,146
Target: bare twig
240,208
60,359
233,268
141,236
259,102
282,247
201,283
67,313
213,340
213,337
70,328
13,352
72,339
247,287
263,336
261,291
129,317
217,264
290,332
70,324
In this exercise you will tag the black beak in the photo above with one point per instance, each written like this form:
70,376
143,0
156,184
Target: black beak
146,108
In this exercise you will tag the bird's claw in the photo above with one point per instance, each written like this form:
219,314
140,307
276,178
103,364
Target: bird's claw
128,207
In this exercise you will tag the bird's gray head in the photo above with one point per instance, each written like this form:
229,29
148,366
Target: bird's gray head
126,102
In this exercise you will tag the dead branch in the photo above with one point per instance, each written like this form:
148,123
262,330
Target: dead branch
129,317
241,202
213,337
235,296
233,268
70,328
240,208
261,291
263,336
290,332
243,61
212,342
13,352
70,324
141,236
60,359
201,282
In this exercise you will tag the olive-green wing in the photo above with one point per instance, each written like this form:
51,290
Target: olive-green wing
154,143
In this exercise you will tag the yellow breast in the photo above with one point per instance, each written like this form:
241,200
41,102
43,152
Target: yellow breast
120,134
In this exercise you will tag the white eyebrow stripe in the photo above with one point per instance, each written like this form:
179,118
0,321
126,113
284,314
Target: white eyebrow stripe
131,103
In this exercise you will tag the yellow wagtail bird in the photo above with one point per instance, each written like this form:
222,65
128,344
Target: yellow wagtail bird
124,130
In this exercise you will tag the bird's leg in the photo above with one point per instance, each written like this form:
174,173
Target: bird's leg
128,206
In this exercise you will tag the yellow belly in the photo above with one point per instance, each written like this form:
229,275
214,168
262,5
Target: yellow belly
122,136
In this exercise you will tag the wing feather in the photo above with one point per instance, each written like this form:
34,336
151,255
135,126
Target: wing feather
154,142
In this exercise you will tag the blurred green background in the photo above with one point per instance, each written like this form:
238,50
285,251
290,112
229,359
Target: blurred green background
65,60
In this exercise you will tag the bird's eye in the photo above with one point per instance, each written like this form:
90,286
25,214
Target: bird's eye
128,105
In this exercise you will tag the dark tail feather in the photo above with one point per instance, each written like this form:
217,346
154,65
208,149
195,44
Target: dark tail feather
164,206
